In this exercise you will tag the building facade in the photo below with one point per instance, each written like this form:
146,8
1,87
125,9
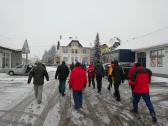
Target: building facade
151,50
155,58
9,58
73,52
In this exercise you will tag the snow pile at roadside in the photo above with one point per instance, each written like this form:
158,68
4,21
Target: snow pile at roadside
159,79
6,77
51,68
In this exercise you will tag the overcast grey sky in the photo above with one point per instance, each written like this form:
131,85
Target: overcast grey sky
42,21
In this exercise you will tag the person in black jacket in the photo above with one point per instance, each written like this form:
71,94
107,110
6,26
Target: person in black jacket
37,73
118,78
99,70
62,73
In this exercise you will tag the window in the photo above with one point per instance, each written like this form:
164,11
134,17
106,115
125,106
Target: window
84,51
0,60
65,50
73,50
159,61
156,58
19,66
76,51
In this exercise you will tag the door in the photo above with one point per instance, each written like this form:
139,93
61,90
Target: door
141,56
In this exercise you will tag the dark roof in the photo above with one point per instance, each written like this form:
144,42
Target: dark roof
76,42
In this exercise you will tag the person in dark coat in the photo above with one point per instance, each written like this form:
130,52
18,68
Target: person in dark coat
118,78
141,81
37,73
78,81
62,73
99,70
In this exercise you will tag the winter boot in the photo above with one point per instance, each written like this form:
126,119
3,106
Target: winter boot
133,111
154,119
108,88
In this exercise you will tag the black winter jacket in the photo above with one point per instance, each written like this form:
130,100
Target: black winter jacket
38,73
118,74
62,72
99,69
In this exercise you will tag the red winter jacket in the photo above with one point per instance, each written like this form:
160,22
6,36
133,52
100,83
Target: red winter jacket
78,79
131,73
141,80
91,72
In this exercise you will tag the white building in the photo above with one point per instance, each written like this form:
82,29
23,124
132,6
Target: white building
9,58
73,52
151,50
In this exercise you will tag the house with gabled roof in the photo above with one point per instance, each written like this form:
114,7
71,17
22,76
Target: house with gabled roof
73,52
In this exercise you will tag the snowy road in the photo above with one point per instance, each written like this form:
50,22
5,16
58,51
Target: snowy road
19,108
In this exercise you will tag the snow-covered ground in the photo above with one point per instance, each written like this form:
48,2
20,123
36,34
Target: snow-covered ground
18,106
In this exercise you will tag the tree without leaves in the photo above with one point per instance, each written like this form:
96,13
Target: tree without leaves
48,56
51,54
45,57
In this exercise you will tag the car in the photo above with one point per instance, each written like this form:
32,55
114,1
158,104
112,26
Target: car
22,69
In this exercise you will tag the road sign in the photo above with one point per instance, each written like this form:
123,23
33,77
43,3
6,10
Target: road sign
25,48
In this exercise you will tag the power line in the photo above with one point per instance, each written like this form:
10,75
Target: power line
141,36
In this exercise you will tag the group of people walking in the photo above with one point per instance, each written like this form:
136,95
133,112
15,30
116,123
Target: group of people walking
139,81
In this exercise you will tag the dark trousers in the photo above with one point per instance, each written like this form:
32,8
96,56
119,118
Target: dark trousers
146,98
116,90
91,79
99,82
110,82
62,86
132,89
78,97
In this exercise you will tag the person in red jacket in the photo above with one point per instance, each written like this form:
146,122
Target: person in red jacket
130,75
141,81
91,75
78,81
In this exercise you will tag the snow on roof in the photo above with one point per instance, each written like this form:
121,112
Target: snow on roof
153,39
66,42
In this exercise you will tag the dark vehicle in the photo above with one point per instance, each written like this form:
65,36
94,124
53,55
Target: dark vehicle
20,70
126,67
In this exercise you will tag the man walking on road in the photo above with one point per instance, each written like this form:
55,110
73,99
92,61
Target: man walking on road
99,70
78,81
141,81
62,73
118,78
37,73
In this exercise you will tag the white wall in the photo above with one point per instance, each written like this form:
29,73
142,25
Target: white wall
160,70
